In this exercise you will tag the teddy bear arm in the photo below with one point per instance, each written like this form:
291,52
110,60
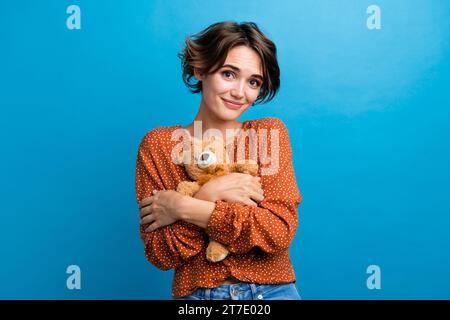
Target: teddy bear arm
188,188
248,167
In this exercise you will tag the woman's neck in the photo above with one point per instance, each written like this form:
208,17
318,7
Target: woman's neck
208,121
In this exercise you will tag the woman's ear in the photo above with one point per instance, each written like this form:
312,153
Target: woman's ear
198,75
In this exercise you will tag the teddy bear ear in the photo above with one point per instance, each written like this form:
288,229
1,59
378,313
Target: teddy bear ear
178,156
210,140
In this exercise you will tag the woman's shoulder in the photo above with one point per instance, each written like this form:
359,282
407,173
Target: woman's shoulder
162,132
267,123
159,136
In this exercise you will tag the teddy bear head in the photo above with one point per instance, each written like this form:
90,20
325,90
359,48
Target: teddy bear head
207,157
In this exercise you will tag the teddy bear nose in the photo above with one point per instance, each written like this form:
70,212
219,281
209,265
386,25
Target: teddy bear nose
206,159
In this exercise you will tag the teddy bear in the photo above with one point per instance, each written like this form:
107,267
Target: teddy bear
208,159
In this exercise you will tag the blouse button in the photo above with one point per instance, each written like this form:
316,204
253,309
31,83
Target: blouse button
260,296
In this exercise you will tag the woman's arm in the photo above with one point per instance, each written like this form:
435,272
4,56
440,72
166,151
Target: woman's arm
235,187
197,212
167,206
169,246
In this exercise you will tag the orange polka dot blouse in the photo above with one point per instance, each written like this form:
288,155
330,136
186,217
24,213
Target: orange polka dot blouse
258,238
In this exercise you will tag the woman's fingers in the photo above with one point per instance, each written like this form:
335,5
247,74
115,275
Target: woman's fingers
256,181
145,211
257,196
145,202
257,191
148,219
251,203
152,227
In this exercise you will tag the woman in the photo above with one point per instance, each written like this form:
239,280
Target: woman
232,66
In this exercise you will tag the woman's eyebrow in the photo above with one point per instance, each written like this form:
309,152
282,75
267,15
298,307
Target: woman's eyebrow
239,70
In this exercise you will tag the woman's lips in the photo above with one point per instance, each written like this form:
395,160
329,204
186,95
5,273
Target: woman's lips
234,106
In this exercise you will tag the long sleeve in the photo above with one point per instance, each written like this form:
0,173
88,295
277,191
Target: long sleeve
272,225
169,246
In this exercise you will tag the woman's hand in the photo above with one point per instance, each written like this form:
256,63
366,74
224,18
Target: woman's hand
234,187
161,209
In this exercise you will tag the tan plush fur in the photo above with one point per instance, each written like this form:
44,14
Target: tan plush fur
216,251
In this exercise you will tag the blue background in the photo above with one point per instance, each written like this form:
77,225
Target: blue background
367,111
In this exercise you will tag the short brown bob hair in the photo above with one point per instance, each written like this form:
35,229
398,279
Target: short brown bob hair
208,50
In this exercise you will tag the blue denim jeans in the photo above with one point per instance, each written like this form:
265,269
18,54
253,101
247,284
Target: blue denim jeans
246,291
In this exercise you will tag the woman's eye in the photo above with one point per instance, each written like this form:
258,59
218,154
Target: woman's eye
227,74
255,83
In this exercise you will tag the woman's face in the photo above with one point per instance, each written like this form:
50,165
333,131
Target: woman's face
229,91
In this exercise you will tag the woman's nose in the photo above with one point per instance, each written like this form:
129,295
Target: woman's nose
238,91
